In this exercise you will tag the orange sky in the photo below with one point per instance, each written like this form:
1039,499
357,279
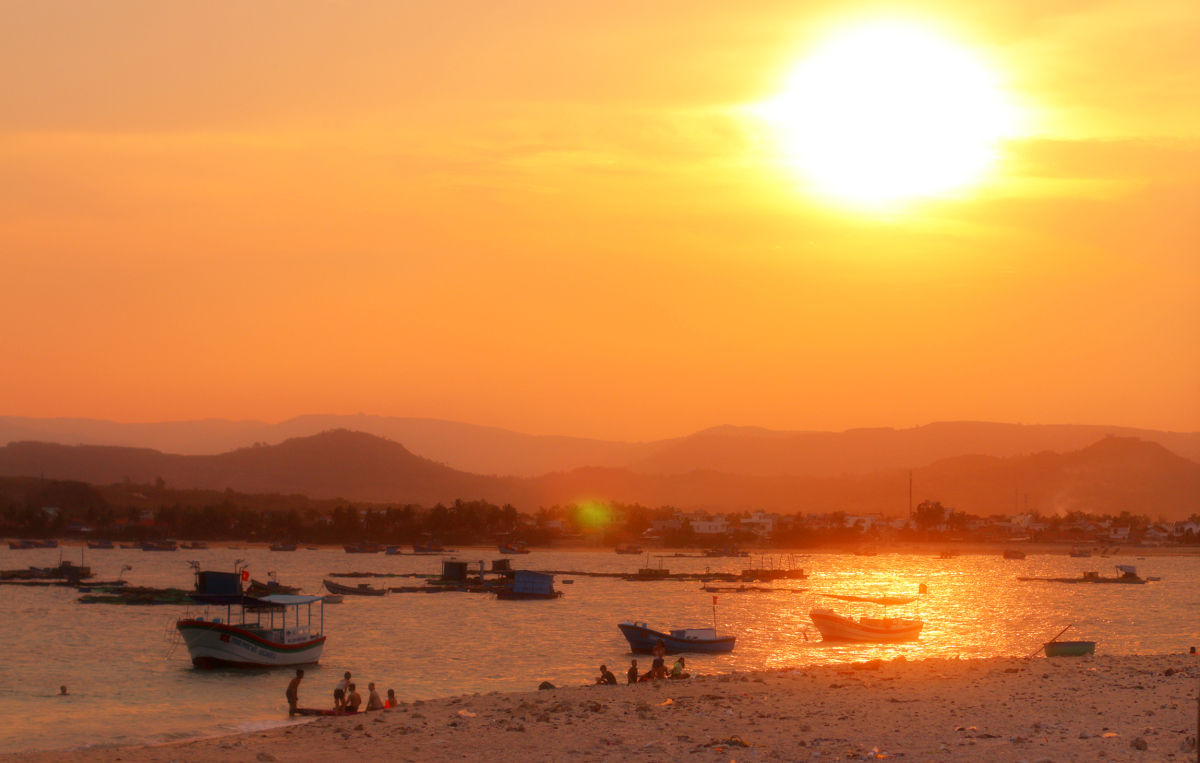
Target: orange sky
558,218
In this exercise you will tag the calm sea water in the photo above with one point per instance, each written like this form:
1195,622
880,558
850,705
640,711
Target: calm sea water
126,690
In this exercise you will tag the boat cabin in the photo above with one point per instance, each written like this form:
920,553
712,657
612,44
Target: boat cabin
538,583
691,634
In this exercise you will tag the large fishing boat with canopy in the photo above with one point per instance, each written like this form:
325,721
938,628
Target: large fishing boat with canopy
243,631
835,627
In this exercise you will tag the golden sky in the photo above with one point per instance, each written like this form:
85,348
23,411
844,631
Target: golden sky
566,218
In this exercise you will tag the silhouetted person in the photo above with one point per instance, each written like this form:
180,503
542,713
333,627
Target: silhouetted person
606,677
293,692
339,693
632,674
62,690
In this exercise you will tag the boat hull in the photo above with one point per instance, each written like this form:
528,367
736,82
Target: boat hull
642,640
346,590
834,627
218,645
1069,648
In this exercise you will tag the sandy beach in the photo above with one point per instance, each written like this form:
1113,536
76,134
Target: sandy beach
1108,708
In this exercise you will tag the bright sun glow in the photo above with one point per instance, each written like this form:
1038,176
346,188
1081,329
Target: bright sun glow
887,112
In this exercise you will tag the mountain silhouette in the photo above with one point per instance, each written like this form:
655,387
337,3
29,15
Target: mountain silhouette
490,450
1111,475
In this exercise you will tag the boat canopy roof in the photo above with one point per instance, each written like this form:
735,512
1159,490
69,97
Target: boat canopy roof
289,599
887,601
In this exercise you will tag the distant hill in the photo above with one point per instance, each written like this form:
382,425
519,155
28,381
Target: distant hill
483,450
489,450
1109,476
749,450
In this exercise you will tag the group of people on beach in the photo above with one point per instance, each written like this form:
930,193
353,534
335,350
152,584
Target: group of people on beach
658,669
346,698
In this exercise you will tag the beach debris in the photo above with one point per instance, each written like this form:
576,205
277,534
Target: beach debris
667,701
1138,743
736,741
466,714
546,686
1084,735
1109,735
265,757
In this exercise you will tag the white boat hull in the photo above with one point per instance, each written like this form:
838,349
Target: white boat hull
214,645
834,627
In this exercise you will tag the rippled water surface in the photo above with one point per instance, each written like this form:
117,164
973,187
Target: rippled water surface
126,690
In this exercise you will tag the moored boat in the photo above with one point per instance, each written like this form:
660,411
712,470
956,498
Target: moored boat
164,545
100,545
427,548
513,548
1080,553
529,585
362,589
1069,648
196,545
643,638
271,631
1011,553
283,546
362,548
628,548
835,627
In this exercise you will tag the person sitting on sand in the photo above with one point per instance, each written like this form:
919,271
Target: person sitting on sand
391,700
606,677
632,674
658,669
374,702
678,670
353,700
339,693
293,692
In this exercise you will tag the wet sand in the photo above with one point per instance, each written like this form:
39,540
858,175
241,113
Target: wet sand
1003,709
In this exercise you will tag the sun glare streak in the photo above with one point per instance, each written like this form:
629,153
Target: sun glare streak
885,112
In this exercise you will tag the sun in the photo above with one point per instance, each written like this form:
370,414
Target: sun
887,112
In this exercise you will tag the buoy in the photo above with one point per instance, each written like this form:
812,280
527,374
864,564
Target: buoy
923,588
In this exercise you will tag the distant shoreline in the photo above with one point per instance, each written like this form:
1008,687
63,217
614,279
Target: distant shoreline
911,548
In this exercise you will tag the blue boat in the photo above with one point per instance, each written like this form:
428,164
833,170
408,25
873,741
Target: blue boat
642,639
530,585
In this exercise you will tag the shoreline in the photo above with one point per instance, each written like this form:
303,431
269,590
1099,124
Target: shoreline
909,548
998,708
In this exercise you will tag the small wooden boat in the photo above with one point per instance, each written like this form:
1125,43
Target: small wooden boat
643,638
629,549
333,598
22,545
1080,553
259,588
196,545
1069,648
362,589
1128,576
100,545
165,545
835,627
283,546
313,548
316,711
362,548
1013,554
513,548
427,548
